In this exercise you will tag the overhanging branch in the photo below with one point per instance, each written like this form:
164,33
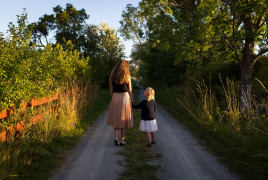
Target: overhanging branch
174,3
260,54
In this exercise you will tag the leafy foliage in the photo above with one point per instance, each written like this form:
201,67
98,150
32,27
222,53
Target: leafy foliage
109,51
98,42
182,36
29,72
67,24
133,24
188,45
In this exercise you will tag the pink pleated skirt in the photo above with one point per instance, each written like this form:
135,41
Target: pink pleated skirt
120,111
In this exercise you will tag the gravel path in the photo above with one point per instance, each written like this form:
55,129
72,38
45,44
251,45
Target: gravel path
183,158
95,157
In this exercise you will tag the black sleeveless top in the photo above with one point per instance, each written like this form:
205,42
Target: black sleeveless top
120,87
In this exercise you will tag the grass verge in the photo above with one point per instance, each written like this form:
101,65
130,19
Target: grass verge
243,151
41,147
137,154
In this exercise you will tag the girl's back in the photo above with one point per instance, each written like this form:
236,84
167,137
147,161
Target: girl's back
148,109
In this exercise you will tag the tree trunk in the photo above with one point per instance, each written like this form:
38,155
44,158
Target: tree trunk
246,77
246,66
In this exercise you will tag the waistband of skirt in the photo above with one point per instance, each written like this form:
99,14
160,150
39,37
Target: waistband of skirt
148,119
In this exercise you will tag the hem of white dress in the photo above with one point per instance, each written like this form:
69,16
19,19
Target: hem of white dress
148,125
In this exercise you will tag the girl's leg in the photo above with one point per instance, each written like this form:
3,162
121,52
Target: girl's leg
148,137
153,136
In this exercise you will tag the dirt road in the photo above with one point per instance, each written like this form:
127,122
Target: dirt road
95,157
183,158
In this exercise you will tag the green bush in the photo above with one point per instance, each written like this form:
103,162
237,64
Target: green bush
260,72
27,71
210,72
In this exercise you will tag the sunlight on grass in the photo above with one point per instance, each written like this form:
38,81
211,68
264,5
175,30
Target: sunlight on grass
40,147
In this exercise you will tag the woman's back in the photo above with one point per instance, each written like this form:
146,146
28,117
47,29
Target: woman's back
120,87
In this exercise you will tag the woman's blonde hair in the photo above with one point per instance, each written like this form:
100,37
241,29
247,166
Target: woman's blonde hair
151,93
120,73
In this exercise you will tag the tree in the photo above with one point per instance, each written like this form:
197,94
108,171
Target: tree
168,31
70,25
67,24
42,28
243,25
109,43
109,50
209,31
133,24
91,39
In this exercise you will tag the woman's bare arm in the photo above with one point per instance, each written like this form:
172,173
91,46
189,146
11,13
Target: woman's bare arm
130,90
111,87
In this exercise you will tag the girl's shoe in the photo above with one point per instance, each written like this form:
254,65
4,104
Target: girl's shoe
116,142
122,143
152,142
149,145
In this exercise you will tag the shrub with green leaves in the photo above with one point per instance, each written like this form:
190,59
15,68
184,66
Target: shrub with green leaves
27,71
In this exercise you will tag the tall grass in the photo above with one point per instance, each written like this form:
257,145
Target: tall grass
36,150
213,114
204,102
204,107
232,111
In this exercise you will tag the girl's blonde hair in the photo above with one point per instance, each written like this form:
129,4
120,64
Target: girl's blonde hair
151,93
120,73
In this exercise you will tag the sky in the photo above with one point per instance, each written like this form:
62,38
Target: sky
108,11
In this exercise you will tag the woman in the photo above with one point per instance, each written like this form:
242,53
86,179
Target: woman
120,111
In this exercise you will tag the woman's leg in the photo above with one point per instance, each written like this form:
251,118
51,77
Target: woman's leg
116,133
123,132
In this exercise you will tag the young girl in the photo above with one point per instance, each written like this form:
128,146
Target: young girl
148,115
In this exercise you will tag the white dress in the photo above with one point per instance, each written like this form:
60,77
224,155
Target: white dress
148,125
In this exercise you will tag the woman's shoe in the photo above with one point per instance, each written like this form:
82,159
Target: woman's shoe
152,142
149,145
116,142
122,143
